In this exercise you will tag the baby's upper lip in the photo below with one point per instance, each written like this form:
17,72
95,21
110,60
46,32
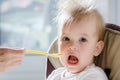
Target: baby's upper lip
71,56
71,53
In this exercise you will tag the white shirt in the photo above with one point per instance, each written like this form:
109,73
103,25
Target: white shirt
90,73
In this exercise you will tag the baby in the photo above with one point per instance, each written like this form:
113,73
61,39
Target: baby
80,40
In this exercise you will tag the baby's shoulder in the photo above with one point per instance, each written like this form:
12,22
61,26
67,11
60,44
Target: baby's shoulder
95,69
95,72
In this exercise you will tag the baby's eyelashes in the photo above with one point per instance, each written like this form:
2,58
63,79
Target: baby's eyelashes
65,39
83,39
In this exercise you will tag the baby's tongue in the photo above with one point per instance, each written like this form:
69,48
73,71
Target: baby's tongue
72,60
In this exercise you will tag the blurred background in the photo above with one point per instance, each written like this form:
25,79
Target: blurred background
30,24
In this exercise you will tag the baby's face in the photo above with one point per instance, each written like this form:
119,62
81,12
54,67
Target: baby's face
78,42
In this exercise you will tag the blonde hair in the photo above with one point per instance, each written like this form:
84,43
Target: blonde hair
75,10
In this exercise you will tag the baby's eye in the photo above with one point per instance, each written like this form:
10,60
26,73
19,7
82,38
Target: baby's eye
65,39
83,39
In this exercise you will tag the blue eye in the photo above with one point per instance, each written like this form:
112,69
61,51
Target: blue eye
83,39
65,39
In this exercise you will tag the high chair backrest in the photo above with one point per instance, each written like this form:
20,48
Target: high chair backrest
109,59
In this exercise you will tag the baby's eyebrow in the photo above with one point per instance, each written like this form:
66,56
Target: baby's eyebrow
84,35
64,34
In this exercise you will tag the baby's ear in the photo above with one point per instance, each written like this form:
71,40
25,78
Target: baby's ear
99,48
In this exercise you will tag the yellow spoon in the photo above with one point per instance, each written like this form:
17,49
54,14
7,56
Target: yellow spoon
44,53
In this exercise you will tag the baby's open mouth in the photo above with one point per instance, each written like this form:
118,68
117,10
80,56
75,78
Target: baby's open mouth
72,59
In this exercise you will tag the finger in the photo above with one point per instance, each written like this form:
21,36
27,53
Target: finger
7,57
5,67
11,50
13,62
6,64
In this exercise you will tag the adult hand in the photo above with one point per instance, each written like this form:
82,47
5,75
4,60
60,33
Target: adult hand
10,58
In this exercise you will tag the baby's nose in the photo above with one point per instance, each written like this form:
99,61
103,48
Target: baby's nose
73,47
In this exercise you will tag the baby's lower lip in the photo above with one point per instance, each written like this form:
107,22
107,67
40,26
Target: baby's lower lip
72,60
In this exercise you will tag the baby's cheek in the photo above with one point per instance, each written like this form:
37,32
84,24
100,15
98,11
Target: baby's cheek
62,48
61,60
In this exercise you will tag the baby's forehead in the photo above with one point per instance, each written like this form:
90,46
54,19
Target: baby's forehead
84,24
